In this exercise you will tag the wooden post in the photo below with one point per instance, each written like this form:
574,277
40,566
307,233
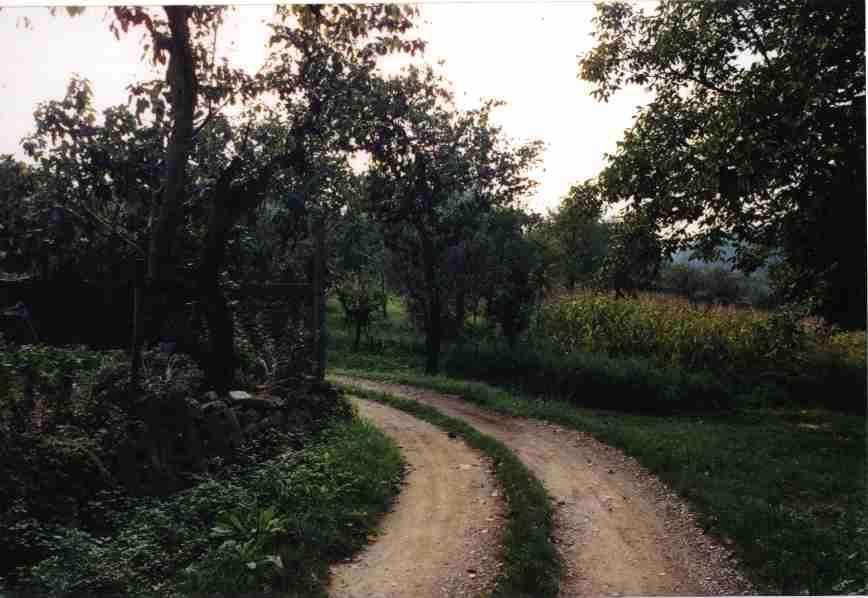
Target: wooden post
318,298
136,344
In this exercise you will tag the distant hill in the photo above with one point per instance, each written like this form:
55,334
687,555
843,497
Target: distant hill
727,251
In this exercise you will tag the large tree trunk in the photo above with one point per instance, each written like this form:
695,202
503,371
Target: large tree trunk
220,364
358,335
181,77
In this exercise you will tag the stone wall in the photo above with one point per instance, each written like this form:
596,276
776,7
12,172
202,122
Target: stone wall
169,438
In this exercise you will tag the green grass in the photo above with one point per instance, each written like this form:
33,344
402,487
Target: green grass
274,528
785,486
531,563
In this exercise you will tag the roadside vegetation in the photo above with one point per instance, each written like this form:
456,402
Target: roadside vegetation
268,516
274,527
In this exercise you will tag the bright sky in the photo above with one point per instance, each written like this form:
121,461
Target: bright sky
523,53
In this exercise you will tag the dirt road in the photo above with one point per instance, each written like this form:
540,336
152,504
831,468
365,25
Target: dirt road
619,529
442,537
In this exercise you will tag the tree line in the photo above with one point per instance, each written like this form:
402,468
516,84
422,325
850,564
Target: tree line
212,175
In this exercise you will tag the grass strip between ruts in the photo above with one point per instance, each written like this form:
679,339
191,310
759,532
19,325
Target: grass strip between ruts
532,566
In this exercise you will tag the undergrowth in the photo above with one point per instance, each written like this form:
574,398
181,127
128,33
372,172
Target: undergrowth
273,528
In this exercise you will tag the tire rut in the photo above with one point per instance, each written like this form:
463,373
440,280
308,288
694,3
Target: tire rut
619,529
442,536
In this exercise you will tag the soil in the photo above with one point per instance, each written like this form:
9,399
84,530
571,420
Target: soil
442,537
619,529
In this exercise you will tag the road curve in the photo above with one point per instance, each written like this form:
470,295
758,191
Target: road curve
442,537
619,529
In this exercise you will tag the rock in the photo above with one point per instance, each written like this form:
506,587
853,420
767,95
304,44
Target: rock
224,431
272,421
238,395
193,447
258,403
247,417
194,410
280,418
210,396
213,406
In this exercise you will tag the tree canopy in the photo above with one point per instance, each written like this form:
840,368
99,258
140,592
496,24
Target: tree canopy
756,135
436,172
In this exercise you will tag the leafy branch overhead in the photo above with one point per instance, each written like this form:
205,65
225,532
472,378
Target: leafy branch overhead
755,136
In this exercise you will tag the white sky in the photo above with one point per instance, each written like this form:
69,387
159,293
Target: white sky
523,53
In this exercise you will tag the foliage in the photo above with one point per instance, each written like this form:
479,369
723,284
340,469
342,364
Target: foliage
359,277
576,238
784,488
512,269
714,284
653,354
756,134
49,386
632,384
275,526
435,172
18,249
634,255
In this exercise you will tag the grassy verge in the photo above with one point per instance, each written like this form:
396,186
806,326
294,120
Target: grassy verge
531,565
785,486
274,528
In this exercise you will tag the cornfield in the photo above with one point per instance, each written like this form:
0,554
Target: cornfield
676,332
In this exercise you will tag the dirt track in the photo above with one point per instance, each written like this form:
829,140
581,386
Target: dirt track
619,529
443,535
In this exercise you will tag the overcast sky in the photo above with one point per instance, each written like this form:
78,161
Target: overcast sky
523,53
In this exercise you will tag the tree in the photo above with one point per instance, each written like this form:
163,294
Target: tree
435,172
513,269
238,168
97,181
756,135
19,218
576,236
635,254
